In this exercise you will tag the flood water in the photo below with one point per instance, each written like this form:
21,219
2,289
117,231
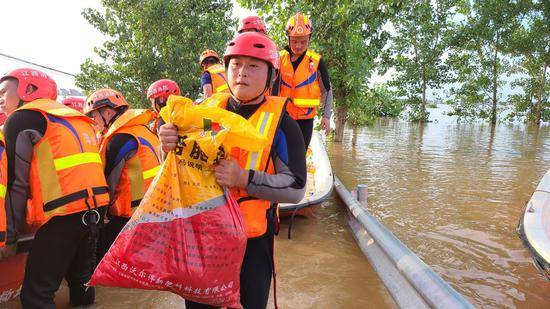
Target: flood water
452,192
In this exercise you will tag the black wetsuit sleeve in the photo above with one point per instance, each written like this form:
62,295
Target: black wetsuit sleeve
323,71
326,91
288,184
23,130
120,148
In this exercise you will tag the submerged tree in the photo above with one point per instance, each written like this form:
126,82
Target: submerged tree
416,51
377,101
531,43
481,40
349,36
154,39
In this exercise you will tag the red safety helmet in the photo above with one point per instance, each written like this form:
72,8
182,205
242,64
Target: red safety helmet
104,98
251,23
33,84
162,89
255,45
75,103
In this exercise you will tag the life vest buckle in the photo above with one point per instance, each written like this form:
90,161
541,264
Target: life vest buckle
94,214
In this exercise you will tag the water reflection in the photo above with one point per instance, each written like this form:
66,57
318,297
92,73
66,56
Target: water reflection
453,192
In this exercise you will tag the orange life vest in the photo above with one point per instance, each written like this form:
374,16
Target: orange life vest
266,120
219,80
141,169
302,85
66,174
3,183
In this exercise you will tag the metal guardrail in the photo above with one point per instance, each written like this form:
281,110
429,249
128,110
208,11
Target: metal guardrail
411,282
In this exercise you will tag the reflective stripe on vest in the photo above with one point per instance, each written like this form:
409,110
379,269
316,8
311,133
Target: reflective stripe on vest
222,87
263,126
76,159
151,172
2,191
306,102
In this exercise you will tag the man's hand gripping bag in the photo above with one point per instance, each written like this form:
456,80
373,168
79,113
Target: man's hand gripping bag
187,236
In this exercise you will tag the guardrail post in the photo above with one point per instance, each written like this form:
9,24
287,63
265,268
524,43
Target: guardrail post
362,194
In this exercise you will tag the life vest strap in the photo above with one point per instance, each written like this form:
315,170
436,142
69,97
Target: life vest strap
246,198
64,200
135,203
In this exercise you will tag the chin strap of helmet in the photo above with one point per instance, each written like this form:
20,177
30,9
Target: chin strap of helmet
160,103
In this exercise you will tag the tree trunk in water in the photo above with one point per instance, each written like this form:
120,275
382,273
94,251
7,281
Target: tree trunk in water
341,117
495,80
541,93
423,107
354,136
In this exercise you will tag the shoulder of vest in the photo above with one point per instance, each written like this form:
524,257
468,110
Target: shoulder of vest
283,52
130,119
216,68
277,99
53,108
281,101
129,131
108,139
218,97
315,56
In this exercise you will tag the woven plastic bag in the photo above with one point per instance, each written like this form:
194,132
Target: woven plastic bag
187,236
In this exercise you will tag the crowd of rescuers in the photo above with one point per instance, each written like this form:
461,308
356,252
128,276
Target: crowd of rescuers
73,172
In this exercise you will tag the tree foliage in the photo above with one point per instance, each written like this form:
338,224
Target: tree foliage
154,39
481,36
416,51
348,34
531,44
471,45
377,101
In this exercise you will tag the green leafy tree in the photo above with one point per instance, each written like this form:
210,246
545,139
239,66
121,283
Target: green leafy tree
416,51
349,36
377,101
527,105
481,39
154,39
531,43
